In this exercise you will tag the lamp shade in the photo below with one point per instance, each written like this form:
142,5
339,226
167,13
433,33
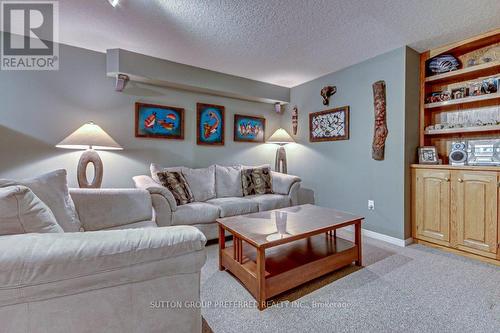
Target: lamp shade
280,137
90,136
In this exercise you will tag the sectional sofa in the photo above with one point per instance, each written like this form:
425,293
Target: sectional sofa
218,193
104,266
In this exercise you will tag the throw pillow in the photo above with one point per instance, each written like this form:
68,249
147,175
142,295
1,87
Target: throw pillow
256,181
177,184
21,211
155,168
228,181
201,182
52,189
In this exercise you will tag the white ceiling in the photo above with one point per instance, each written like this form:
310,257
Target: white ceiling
285,42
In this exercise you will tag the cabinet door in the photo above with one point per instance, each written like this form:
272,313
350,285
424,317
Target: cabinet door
475,197
432,205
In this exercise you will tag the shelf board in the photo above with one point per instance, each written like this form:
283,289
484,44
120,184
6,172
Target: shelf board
456,167
489,128
464,100
489,68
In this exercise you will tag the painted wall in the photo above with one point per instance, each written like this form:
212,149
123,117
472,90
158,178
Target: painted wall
343,174
38,109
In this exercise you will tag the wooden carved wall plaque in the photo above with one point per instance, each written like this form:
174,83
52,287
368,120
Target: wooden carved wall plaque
381,131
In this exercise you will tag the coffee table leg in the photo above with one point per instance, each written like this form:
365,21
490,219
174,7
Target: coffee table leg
222,246
357,241
261,278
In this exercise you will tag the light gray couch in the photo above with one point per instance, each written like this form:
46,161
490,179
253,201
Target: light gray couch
223,189
103,281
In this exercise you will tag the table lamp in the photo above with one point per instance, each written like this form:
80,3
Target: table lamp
90,137
280,137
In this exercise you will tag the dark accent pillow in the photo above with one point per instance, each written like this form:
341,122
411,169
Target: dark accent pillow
177,184
256,181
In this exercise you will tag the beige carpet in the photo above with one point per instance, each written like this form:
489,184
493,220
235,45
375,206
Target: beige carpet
412,289
302,290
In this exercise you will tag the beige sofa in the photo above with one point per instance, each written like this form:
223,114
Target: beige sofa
218,193
120,275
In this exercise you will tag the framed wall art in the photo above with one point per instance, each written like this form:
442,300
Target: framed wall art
159,121
329,125
428,155
209,124
249,128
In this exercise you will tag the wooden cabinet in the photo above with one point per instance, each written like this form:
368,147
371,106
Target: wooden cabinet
457,207
432,205
475,211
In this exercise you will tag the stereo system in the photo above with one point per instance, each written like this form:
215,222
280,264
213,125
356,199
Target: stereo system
475,152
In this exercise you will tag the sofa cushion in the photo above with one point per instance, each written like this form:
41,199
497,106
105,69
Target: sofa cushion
21,211
270,201
245,167
155,168
234,206
201,182
228,181
177,185
256,181
30,263
108,208
136,225
195,213
52,189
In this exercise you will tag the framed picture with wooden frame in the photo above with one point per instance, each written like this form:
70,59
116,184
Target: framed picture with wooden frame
329,125
428,155
159,121
249,128
210,124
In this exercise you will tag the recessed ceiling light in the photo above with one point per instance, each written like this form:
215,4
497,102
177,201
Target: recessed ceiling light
114,3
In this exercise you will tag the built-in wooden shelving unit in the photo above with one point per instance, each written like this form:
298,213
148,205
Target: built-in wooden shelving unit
438,112
456,208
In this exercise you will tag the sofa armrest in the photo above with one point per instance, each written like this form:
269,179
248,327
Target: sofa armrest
35,259
107,208
282,183
294,194
147,183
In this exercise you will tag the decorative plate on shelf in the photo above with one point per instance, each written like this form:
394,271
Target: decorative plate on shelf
443,64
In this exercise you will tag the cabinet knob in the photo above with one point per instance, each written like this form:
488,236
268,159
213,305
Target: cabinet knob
460,180
447,179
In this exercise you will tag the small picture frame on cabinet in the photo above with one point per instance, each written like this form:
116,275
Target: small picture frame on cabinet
428,155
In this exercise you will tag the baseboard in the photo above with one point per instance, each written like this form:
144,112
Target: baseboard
381,237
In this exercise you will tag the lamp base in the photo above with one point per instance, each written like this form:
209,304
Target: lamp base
280,165
90,156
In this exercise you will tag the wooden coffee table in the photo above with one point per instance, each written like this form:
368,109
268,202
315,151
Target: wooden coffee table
278,250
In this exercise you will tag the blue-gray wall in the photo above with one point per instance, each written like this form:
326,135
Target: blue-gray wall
343,174
40,108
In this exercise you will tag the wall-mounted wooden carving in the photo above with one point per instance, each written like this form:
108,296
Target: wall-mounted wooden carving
381,131
328,92
295,119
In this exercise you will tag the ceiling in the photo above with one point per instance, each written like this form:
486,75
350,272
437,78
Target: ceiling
285,42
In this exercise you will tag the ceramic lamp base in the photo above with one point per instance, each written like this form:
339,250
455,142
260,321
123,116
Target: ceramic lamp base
90,156
280,165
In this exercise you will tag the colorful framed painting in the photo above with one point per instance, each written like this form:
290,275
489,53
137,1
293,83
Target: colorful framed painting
158,121
329,125
249,129
209,124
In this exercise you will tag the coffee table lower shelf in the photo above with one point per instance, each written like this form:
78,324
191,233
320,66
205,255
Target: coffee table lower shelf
288,265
